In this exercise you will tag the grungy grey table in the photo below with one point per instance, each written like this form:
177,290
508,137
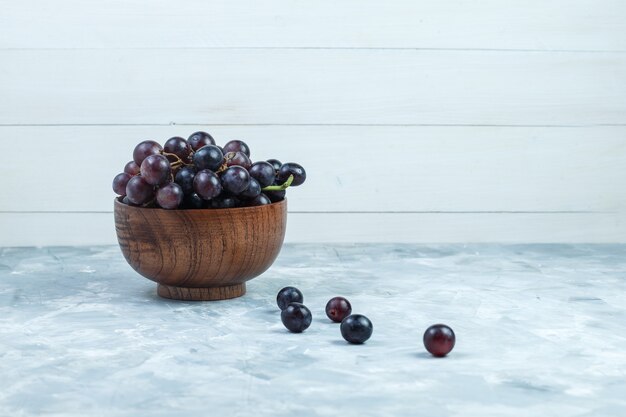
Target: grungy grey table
541,331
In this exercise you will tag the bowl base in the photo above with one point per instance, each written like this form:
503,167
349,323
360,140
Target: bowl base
201,294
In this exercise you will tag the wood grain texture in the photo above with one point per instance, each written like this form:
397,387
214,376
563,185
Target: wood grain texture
311,87
35,229
185,250
349,168
510,24
201,294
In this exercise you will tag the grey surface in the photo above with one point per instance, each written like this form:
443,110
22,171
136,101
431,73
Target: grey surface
540,332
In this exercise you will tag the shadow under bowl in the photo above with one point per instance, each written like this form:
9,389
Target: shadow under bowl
202,254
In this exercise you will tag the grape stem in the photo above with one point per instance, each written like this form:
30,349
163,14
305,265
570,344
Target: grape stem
282,187
177,163
222,168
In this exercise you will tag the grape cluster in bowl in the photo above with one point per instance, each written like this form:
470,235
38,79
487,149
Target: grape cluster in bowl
196,173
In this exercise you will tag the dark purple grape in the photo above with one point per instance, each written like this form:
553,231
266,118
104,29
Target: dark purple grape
275,196
199,139
155,169
253,190
237,146
208,157
259,200
131,168
184,177
275,163
338,308
179,147
296,317
237,158
119,183
291,168
356,328
288,295
439,340
263,172
193,201
235,179
126,201
224,202
207,184
139,191
170,196
145,149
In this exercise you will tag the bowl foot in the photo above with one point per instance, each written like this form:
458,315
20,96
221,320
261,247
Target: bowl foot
201,294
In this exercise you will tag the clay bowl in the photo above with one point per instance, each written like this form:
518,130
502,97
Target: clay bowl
201,254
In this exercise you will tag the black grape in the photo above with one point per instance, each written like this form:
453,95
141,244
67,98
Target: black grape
275,163
208,157
184,178
207,184
193,201
145,149
275,196
235,179
131,168
237,146
259,200
179,147
263,172
224,202
291,168
253,190
170,196
139,191
155,169
119,183
199,139
237,158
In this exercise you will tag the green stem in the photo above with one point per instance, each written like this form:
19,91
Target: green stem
285,185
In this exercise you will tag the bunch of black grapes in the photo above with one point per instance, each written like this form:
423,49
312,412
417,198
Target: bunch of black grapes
196,173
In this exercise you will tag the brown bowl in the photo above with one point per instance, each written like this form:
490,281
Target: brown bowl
201,254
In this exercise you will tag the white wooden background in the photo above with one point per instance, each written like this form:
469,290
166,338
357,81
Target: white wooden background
438,121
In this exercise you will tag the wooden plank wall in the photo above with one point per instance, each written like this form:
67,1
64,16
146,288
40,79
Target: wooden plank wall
447,121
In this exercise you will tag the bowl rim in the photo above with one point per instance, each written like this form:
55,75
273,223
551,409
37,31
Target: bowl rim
118,202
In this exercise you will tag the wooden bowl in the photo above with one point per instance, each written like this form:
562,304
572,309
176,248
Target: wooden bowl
201,254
